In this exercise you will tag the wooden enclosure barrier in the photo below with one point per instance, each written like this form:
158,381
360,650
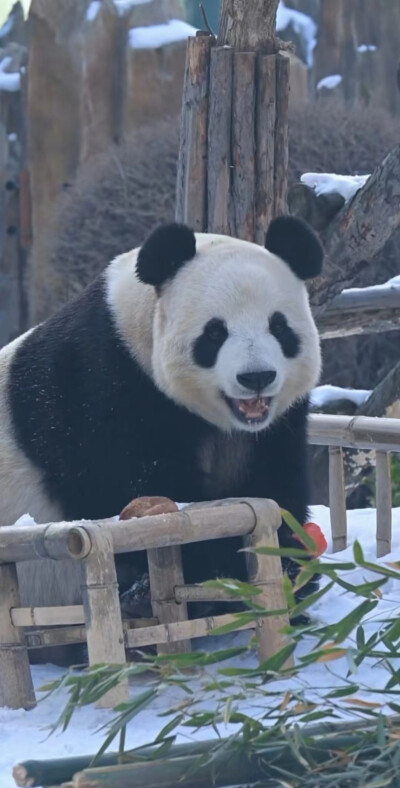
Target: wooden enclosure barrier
98,620
360,432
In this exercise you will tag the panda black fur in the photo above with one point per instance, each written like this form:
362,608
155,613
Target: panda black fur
188,380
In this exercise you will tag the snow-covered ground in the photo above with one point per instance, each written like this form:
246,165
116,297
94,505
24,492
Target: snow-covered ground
24,735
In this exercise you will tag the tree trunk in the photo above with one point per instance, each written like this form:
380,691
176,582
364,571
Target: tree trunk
249,26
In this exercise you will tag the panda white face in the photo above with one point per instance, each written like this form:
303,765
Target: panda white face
233,336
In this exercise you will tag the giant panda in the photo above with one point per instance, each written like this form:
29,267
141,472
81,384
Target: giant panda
182,371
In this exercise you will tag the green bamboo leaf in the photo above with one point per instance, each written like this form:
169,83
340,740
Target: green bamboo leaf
298,530
310,600
169,727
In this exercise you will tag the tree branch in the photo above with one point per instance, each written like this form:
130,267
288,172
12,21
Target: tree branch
361,311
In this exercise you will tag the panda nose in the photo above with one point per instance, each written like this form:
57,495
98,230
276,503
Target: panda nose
256,381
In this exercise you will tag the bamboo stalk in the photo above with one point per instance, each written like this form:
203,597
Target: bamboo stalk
337,499
47,616
383,504
65,636
105,637
266,572
166,572
145,533
191,199
180,630
360,432
35,773
16,687
54,540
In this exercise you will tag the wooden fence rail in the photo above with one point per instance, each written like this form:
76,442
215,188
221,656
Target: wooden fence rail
360,432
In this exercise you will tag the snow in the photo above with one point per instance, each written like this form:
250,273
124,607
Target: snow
302,24
7,27
324,394
123,6
9,82
327,183
330,82
155,36
13,137
391,284
24,734
366,48
93,10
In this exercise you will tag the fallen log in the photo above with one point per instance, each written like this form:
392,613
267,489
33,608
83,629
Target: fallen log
368,310
359,232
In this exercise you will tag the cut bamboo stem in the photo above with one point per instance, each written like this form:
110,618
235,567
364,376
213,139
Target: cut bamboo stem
359,432
16,687
266,572
337,499
105,637
166,572
383,504
180,630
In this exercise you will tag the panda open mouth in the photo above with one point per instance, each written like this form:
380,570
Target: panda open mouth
250,411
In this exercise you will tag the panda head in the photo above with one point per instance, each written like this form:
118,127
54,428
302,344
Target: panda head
233,338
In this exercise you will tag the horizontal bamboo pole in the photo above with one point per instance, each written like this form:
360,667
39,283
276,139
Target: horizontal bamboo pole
359,432
68,615
69,635
199,593
54,540
179,630
74,539
47,616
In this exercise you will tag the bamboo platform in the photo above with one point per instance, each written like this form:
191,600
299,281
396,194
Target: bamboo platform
95,543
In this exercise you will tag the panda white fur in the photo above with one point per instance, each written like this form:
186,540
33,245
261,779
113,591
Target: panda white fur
182,371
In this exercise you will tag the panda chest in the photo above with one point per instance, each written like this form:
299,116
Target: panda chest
224,463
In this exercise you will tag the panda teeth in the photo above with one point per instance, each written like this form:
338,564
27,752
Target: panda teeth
254,408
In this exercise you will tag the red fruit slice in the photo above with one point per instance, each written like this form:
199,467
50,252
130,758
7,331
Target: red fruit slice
318,536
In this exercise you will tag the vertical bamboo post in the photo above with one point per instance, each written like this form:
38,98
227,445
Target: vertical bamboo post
383,504
166,572
219,173
265,144
191,192
105,637
16,687
266,571
337,499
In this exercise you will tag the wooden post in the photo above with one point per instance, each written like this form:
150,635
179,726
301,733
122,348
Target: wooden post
219,219
383,504
243,157
337,499
16,688
166,572
105,637
191,193
266,571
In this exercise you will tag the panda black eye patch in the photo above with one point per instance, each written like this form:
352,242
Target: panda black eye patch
208,345
287,338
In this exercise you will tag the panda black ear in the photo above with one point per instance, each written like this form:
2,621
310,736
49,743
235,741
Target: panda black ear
294,241
166,250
